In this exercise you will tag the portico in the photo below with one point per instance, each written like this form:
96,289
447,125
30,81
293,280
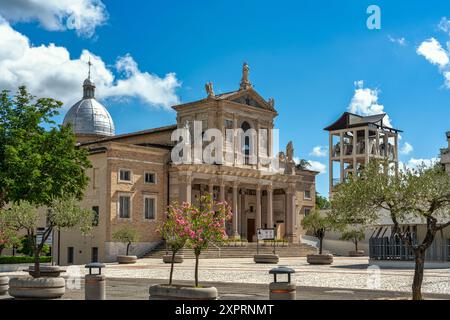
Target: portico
257,200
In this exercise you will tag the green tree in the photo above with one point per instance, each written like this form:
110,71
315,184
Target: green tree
175,231
410,194
322,202
39,161
126,235
8,236
319,223
63,214
353,235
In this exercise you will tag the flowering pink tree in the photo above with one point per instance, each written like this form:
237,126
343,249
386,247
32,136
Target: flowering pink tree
175,230
8,236
206,224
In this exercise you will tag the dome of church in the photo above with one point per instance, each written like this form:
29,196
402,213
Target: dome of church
88,116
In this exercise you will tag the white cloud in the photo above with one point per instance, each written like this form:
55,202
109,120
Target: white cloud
49,71
444,25
432,50
406,149
317,166
414,163
319,151
365,102
83,16
400,41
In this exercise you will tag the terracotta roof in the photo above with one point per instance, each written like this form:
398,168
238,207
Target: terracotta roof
132,134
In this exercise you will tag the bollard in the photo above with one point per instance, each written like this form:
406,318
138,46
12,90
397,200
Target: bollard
282,290
95,284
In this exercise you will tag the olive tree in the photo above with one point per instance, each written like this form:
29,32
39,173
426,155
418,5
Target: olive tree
353,235
63,214
126,235
407,195
319,223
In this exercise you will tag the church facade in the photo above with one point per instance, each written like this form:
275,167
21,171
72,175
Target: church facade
134,176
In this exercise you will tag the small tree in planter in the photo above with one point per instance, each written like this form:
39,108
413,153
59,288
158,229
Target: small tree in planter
319,224
175,230
63,215
206,224
201,225
355,236
127,235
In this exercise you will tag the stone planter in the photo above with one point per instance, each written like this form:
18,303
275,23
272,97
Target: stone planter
4,285
126,259
359,253
177,292
46,271
37,288
266,258
319,258
179,258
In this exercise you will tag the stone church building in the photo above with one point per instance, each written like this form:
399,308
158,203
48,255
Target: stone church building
133,178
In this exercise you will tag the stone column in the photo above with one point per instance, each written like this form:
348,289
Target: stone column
258,207
222,191
185,188
290,213
211,189
270,207
242,212
235,210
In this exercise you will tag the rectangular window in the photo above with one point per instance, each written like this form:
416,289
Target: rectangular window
149,208
125,175
307,194
94,254
96,220
229,124
124,207
150,178
70,252
307,211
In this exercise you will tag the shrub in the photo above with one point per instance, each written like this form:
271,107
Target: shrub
22,259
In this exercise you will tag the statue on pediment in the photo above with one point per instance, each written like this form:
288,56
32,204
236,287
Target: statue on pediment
290,152
209,89
245,82
271,103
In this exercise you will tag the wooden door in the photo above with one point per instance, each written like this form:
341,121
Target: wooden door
250,229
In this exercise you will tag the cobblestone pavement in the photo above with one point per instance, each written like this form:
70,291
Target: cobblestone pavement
345,273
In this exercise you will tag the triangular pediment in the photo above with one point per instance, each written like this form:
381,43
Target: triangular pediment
247,97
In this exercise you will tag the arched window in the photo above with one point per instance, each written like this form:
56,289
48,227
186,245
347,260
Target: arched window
246,126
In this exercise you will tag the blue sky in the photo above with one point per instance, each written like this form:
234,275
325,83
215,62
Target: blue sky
306,54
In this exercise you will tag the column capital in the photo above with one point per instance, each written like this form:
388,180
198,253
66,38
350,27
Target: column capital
258,187
235,184
269,187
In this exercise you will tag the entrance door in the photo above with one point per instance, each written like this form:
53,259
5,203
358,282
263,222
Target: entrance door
250,229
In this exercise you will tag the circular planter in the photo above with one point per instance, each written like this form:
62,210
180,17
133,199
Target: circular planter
46,271
126,259
4,285
175,292
37,288
359,253
266,258
319,258
179,258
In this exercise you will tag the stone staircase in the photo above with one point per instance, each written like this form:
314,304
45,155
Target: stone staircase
223,252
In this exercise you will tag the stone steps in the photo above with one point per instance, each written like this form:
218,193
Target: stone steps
292,250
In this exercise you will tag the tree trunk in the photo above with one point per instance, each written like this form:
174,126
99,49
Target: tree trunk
197,255
171,267
418,274
1,249
37,262
356,245
320,245
128,247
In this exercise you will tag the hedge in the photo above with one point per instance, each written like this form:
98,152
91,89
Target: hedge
22,259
